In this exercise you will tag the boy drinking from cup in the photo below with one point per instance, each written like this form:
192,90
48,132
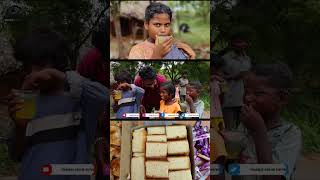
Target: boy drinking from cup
63,127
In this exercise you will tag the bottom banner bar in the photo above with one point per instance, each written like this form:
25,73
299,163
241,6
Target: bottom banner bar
257,169
68,169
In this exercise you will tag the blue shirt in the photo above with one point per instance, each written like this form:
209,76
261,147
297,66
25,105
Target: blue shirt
66,143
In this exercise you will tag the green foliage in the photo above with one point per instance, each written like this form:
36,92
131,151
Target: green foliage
171,69
197,15
285,31
73,18
7,166
303,110
69,17
131,67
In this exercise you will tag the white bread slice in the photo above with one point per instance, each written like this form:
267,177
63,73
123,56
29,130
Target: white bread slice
180,147
179,163
138,154
156,150
137,168
156,130
156,138
139,140
157,169
178,175
176,132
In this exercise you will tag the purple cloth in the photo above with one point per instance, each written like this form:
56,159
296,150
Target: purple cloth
175,53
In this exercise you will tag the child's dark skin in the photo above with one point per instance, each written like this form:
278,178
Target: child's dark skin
124,86
168,98
191,97
160,24
41,78
260,113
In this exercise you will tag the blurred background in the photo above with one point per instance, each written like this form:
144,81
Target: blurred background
190,23
284,31
77,20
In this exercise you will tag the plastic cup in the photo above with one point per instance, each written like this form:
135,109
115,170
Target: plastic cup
28,106
161,39
118,95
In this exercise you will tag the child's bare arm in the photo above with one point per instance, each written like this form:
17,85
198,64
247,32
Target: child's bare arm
186,48
18,143
191,105
162,49
254,122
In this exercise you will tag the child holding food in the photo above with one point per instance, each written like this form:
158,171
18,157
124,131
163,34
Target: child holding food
267,138
127,96
160,44
168,103
194,104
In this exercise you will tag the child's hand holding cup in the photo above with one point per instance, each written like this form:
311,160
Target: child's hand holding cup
161,39
22,106
117,95
163,46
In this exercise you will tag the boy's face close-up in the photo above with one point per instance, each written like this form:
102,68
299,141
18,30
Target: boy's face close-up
261,96
192,92
160,24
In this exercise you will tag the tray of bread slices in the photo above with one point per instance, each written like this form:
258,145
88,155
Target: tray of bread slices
162,152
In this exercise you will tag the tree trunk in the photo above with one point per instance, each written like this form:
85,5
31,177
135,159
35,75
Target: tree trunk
178,18
117,28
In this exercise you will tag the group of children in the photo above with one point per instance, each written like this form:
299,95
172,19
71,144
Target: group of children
170,103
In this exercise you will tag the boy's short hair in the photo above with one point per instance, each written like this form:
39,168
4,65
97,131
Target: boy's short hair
279,75
43,46
156,8
123,76
147,73
239,35
217,63
196,85
169,87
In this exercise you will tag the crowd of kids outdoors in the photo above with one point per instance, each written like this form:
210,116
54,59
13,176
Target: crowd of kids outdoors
246,103
150,92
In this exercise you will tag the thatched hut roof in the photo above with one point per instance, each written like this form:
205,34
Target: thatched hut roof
134,9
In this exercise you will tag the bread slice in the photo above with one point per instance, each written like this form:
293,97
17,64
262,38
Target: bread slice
157,169
178,175
176,132
156,130
137,168
138,154
180,147
179,163
139,140
156,150
156,138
